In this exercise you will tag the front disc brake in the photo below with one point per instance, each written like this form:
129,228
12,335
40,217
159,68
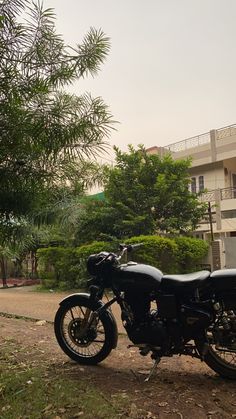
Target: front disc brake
80,335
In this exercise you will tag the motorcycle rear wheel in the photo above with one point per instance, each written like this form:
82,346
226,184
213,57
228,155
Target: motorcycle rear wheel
217,364
84,340
223,362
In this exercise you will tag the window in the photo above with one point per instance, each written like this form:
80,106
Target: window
201,183
193,185
228,214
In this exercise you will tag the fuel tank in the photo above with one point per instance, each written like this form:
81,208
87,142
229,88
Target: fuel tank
137,277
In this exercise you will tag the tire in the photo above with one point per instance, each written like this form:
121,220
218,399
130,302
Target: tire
89,347
219,366
222,362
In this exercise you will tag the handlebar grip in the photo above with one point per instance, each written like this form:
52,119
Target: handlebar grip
131,247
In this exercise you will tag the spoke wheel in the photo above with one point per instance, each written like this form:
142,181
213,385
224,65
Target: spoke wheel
221,356
81,334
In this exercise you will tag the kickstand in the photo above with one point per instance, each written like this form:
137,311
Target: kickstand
152,370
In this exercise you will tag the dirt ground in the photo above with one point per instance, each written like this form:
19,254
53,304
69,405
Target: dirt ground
182,387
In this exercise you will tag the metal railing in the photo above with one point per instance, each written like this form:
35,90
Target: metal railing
201,139
225,193
226,132
208,196
228,193
189,143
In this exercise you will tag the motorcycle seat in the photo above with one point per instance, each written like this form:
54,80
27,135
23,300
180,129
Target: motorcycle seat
185,280
224,273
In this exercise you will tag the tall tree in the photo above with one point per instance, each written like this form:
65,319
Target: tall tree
44,131
144,194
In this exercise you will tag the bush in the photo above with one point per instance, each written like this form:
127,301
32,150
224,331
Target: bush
156,251
175,255
190,253
65,268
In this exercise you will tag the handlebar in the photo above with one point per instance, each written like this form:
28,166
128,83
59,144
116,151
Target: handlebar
124,248
127,248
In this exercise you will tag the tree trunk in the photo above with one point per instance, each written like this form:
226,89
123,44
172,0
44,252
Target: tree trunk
4,272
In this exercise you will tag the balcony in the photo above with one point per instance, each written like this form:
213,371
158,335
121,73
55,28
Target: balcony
189,143
227,193
221,194
202,139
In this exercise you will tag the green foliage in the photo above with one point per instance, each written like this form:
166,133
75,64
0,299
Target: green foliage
45,132
190,253
96,219
65,268
157,251
144,194
170,255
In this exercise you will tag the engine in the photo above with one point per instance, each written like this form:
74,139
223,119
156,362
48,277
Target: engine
141,324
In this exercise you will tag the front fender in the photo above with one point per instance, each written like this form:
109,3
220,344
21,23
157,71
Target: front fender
104,315
73,298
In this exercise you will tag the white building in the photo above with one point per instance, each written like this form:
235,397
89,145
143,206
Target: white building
214,170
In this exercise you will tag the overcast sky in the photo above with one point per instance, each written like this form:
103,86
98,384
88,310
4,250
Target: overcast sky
171,72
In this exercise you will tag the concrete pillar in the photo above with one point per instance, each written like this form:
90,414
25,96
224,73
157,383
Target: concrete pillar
217,252
213,137
218,208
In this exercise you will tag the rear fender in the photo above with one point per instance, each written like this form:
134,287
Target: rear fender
107,316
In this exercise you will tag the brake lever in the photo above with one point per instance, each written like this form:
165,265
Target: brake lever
104,259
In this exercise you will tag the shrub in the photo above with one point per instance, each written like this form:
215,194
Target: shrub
156,251
175,255
65,268
190,253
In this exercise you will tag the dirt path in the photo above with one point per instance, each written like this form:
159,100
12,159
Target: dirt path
25,301
181,388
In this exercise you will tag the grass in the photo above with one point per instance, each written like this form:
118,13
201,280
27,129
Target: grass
33,392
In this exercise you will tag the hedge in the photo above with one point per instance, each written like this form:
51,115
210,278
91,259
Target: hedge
65,268
175,255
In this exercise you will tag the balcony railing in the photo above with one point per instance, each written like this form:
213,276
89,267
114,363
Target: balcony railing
226,132
224,193
189,143
227,193
201,139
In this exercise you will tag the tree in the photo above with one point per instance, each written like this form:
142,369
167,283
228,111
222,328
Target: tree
44,131
145,194
14,239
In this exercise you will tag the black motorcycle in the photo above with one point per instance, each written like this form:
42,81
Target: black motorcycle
164,315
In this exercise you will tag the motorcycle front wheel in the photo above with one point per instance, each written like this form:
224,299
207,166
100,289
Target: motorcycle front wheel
83,336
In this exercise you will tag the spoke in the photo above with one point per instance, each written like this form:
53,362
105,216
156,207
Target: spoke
73,320
227,357
72,315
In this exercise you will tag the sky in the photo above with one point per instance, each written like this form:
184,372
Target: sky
171,71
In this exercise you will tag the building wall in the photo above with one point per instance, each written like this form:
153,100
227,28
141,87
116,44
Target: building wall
200,155
217,145
214,176
213,156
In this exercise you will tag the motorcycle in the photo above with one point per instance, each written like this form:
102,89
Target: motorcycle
164,315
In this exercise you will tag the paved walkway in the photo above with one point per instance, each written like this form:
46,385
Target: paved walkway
24,301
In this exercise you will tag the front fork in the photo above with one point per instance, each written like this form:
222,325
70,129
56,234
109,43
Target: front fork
91,317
